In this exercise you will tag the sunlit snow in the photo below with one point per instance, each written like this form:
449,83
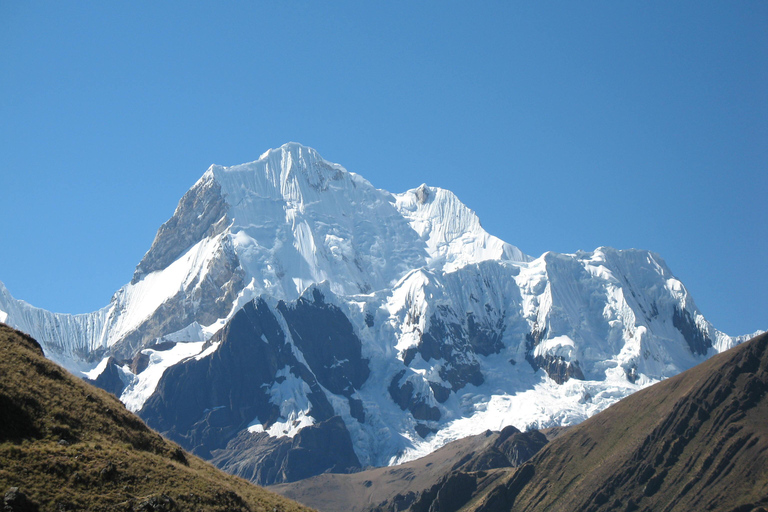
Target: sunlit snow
143,385
394,264
289,393
98,370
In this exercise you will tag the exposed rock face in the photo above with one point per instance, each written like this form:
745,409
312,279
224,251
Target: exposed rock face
201,213
405,396
328,342
161,503
207,404
452,343
558,369
206,298
698,340
447,495
203,403
109,380
264,460
510,449
16,501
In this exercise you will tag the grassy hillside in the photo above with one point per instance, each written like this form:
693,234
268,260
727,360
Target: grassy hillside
445,476
697,441
67,445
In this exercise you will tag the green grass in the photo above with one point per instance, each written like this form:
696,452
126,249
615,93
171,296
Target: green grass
70,446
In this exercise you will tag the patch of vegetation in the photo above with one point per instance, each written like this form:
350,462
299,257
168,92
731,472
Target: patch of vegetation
67,445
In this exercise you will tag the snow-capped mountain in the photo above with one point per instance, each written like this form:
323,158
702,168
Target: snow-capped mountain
289,307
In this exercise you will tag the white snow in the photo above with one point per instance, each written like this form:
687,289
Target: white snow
559,346
452,232
213,347
98,370
143,385
544,404
142,299
295,220
289,393
192,332
300,220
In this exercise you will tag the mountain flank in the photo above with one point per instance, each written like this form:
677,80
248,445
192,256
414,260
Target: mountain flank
697,441
291,319
463,466
66,445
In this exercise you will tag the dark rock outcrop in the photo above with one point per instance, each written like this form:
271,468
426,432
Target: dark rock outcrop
109,380
450,342
697,340
207,404
456,345
16,501
403,395
448,495
202,212
265,460
203,301
328,341
204,403
161,503
510,449
557,367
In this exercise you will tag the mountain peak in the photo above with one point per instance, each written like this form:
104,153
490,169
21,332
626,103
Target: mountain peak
292,173
476,320
288,147
451,229
423,193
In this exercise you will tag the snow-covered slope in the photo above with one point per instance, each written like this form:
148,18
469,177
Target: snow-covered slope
398,313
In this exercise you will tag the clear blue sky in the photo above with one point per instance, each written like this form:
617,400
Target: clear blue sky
565,125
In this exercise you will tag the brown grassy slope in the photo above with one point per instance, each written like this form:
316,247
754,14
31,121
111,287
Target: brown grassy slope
697,441
420,483
361,491
70,446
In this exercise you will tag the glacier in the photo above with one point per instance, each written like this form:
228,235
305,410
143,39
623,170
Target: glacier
439,329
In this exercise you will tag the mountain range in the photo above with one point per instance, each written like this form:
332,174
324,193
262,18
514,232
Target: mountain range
291,319
696,441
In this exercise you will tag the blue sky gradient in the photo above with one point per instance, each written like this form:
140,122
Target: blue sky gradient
564,125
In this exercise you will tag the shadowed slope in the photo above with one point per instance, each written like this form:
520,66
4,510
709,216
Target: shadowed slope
464,465
697,441
70,446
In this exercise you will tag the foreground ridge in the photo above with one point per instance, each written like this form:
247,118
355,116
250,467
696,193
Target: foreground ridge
66,445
